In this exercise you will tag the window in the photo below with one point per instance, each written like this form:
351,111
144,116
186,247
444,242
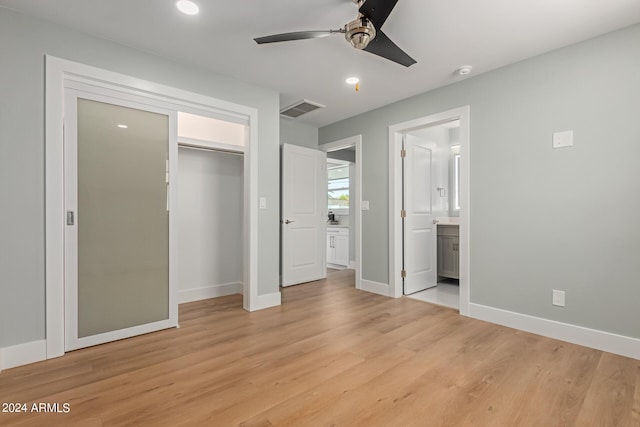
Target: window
338,186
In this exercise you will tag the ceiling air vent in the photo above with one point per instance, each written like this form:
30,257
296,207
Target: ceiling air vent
300,108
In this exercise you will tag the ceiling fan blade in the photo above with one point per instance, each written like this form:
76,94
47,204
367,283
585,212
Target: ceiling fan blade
299,35
377,11
384,47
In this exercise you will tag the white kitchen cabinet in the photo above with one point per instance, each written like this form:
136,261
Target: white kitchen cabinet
448,251
338,247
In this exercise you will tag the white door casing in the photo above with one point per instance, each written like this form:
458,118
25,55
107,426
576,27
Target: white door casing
304,210
61,73
419,227
395,198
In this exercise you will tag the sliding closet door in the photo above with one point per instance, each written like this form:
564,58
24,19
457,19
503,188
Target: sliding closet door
117,246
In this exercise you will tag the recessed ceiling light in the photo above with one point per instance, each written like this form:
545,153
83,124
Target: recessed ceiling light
352,80
187,7
464,70
123,126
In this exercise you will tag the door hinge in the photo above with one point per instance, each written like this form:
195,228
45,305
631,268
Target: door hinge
403,274
403,153
403,213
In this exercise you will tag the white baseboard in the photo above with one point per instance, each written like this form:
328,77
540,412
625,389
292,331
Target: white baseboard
375,287
352,265
265,301
206,292
23,354
605,341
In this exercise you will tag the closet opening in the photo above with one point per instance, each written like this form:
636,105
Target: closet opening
210,207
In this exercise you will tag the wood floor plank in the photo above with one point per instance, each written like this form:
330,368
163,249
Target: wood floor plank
329,355
610,399
635,417
307,405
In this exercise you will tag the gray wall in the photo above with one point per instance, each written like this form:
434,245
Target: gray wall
211,192
346,155
541,219
297,133
23,43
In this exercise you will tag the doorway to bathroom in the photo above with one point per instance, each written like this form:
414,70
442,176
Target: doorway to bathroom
429,208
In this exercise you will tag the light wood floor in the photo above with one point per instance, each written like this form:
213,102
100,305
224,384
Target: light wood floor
330,355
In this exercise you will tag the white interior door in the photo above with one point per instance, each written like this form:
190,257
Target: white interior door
419,252
304,214
117,269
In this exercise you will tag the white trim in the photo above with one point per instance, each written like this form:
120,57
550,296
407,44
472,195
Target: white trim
353,141
266,301
251,203
395,199
120,334
174,184
22,354
57,73
337,267
605,341
206,292
375,287
54,207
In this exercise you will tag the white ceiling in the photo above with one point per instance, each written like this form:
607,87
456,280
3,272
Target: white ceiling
440,35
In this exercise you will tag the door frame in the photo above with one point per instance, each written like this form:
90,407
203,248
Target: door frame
353,141
60,72
395,198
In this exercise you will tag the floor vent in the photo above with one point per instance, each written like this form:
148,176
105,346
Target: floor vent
300,108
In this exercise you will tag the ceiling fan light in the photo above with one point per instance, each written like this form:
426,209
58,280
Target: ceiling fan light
360,40
360,32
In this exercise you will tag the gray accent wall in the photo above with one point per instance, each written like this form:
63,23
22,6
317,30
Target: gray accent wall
24,42
541,218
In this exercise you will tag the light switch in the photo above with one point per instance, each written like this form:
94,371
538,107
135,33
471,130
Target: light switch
563,139
263,203
364,205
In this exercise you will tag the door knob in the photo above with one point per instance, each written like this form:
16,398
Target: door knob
286,221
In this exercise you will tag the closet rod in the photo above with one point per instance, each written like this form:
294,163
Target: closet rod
217,150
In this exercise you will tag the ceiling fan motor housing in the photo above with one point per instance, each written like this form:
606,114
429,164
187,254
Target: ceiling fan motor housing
360,32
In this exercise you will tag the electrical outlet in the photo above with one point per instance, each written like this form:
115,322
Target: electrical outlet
562,139
558,298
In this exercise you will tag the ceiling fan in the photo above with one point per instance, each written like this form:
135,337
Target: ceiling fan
363,33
